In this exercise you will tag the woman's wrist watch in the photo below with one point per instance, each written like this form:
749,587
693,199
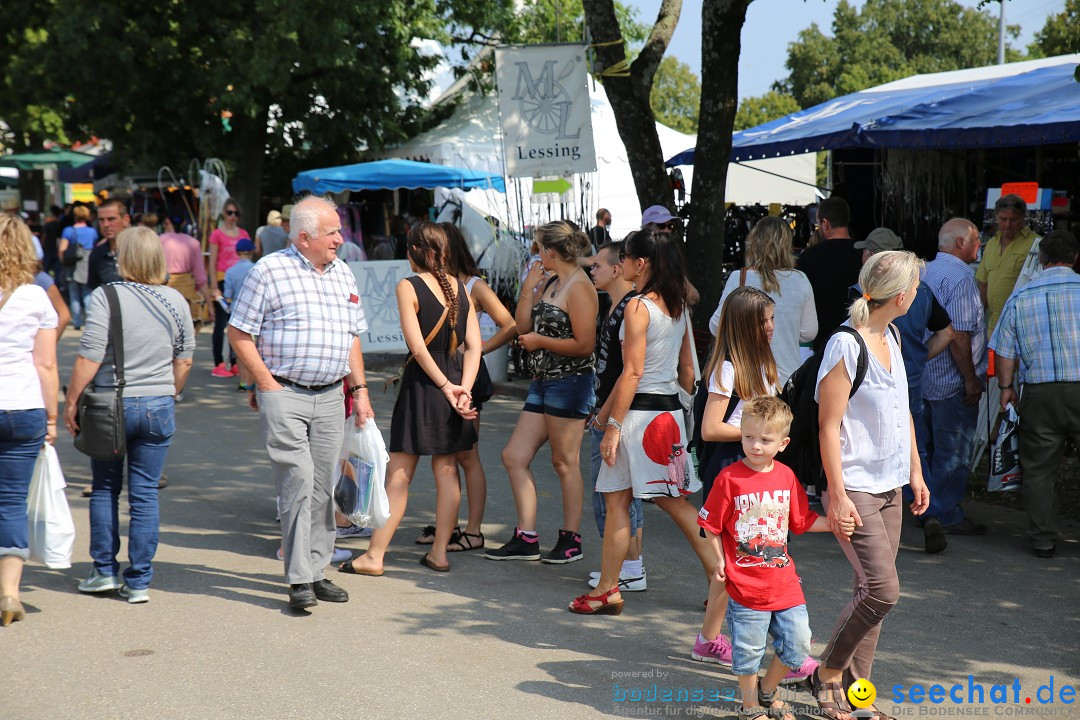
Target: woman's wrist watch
612,422
1005,387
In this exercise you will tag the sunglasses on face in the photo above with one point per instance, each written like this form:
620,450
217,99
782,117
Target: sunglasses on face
233,212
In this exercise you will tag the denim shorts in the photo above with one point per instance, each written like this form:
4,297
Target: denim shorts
750,630
567,397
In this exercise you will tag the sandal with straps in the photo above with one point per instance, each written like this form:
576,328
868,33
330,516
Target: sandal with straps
783,712
582,605
830,698
427,536
465,541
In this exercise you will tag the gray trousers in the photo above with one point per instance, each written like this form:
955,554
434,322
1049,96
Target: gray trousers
303,431
1049,413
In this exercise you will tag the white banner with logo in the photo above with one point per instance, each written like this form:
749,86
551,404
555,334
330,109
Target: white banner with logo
544,106
376,281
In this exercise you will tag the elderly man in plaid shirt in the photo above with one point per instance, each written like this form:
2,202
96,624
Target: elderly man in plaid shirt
1040,329
952,385
296,327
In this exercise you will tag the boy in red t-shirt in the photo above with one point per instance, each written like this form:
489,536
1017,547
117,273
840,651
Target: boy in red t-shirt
752,505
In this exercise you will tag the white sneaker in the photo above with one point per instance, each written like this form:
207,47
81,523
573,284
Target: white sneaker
99,582
135,597
626,583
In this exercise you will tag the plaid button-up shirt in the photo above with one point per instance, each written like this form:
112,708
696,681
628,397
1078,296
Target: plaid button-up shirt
952,283
304,321
1040,326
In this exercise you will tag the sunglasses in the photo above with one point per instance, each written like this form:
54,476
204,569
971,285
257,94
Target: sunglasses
233,212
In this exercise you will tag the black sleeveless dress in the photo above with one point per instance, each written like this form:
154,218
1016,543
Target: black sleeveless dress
424,423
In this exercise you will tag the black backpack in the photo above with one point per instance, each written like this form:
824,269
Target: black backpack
803,453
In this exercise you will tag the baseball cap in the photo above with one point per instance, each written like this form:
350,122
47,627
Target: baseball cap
286,212
656,214
879,240
245,245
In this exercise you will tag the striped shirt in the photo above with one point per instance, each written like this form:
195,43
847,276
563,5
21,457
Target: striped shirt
951,281
1040,326
304,321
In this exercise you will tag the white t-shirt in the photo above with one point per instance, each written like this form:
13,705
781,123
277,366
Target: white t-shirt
796,316
875,434
727,380
28,311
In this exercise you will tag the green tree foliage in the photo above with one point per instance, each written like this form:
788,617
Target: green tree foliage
1061,33
284,83
754,111
548,21
676,96
888,40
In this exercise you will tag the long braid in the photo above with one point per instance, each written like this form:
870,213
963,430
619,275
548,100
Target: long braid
451,301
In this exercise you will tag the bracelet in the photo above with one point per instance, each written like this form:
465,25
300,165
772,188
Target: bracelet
447,380
50,417
1005,387
359,386
249,387
612,422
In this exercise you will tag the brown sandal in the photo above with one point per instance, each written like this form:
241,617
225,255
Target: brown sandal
830,698
779,712
464,541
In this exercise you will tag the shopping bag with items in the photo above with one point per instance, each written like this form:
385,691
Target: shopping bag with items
52,531
1005,470
360,486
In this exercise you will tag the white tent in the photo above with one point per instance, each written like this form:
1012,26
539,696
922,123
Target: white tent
471,138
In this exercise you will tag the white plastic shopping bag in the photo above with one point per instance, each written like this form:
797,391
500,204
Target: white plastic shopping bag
52,531
360,486
1005,470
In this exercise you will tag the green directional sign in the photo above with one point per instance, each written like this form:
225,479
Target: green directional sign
557,186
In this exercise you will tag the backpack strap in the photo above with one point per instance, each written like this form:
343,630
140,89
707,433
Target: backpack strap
862,363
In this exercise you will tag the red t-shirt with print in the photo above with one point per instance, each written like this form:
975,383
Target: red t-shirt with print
752,512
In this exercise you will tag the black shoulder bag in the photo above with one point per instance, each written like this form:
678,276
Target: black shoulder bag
102,434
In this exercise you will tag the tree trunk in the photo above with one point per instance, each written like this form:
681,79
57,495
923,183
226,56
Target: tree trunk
629,95
248,154
721,33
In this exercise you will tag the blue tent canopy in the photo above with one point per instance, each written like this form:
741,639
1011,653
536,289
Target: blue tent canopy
393,174
1029,103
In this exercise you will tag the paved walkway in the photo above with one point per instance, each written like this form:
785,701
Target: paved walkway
487,640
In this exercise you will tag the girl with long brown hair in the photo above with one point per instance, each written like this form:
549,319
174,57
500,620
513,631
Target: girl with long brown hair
740,368
433,412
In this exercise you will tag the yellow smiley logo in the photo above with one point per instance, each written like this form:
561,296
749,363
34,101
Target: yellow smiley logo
862,693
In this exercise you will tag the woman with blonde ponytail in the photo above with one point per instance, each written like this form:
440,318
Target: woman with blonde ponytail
433,412
869,453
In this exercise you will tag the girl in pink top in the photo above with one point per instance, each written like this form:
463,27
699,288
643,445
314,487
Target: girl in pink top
222,257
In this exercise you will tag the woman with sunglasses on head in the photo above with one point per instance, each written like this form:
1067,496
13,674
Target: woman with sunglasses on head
645,443
556,319
222,257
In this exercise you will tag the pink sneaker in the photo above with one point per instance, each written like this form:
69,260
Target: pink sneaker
716,651
805,670
235,370
220,371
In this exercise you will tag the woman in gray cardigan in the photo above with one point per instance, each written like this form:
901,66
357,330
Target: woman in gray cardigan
158,342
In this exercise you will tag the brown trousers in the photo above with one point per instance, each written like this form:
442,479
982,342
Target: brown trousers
872,554
184,283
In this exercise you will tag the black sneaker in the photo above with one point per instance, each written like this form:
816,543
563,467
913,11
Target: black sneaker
520,547
302,596
567,550
934,536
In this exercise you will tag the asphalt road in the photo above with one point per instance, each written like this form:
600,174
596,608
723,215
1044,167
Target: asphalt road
488,639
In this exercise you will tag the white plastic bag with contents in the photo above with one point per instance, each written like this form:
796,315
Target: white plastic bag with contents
52,531
360,485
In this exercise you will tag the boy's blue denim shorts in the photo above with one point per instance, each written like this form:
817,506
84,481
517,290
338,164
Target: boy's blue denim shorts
750,630
570,397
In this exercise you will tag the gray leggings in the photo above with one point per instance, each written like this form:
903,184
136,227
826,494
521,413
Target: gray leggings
872,554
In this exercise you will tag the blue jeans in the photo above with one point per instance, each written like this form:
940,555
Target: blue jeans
922,438
150,422
952,436
637,517
566,397
77,294
750,630
22,433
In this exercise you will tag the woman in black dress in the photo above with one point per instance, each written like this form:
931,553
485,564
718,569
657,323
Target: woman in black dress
434,406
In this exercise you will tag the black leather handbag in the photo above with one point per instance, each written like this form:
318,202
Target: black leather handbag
102,434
